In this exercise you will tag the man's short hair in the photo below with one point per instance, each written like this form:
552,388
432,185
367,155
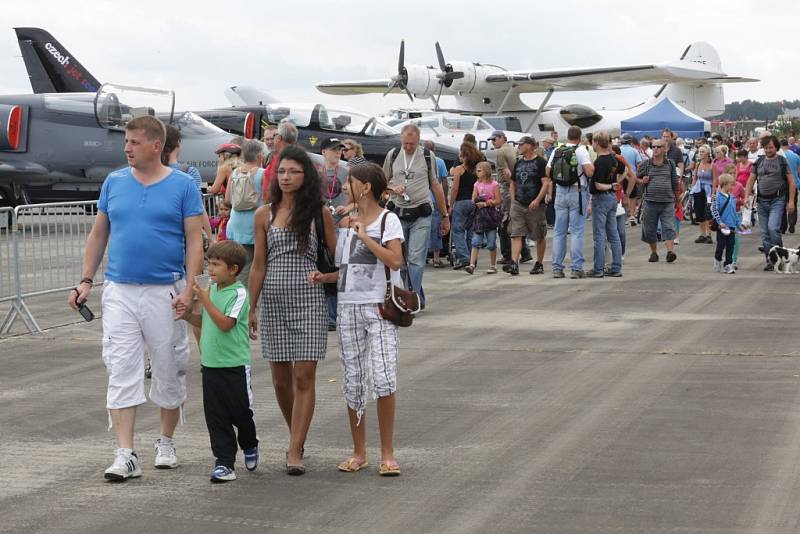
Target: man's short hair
153,128
427,143
230,252
251,150
767,139
288,132
784,142
574,134
410,127
602,139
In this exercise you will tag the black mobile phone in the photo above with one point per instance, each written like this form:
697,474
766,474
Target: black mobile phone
84,310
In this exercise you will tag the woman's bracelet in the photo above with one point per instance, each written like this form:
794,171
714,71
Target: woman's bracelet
86,281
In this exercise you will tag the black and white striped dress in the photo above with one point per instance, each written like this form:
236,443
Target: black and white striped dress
294,314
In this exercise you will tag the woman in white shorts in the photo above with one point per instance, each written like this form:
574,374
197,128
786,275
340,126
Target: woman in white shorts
371,246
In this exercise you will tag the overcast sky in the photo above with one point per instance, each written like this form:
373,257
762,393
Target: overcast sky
199,48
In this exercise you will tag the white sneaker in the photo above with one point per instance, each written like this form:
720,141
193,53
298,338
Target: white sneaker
717,266
125,466
730,269
166,455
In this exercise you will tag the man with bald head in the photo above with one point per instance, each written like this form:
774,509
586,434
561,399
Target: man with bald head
412,175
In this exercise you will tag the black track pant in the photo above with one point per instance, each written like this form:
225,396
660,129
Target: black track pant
227,403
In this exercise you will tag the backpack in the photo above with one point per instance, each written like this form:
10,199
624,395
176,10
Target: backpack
244,196
565,166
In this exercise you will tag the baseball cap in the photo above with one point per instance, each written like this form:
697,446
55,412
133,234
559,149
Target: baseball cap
333,142
627,138
230,148
497,133
527,139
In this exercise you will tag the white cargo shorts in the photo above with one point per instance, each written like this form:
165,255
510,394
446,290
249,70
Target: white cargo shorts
135,316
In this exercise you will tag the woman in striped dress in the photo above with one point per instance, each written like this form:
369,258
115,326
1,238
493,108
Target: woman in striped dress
293,319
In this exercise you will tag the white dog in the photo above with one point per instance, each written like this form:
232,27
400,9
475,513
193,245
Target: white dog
784,260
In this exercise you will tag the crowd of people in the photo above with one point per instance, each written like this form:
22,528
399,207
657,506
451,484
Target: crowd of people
300,247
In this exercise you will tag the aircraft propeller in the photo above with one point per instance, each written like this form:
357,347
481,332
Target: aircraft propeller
401,78
446,75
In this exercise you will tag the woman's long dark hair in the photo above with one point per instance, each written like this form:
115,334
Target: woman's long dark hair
472,156
308,199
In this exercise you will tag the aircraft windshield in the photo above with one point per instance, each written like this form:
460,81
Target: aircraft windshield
330,119
116,105
192,125
459,123
70,102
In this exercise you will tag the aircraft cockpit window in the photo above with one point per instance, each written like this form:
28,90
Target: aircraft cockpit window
459,123
70,102
483,125
115,105
192,125
580,116
354,123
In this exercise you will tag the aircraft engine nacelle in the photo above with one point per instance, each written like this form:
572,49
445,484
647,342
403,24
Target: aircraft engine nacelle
467,83
12,127
421,81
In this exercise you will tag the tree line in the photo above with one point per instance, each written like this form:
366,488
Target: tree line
755,110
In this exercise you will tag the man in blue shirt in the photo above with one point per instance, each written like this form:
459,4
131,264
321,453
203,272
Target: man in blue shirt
794,162
152,214
634,158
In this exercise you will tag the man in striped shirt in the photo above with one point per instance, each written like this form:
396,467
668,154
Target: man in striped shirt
659,178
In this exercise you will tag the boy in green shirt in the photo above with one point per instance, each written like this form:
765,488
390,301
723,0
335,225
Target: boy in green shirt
225,357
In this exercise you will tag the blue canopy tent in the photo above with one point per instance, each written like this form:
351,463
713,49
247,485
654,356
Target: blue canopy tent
664,114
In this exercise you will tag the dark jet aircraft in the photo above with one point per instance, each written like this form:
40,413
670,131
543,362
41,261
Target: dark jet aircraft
44,60
57,147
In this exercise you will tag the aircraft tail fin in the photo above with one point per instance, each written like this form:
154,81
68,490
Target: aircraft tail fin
705,98
51,68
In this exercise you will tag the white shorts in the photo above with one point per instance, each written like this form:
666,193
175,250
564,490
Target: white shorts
135,316
369,348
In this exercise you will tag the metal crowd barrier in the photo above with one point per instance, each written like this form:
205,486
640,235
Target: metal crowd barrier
47,242
41,253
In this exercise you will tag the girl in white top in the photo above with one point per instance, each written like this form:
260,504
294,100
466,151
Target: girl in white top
368,343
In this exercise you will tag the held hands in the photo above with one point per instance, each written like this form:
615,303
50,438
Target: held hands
181,304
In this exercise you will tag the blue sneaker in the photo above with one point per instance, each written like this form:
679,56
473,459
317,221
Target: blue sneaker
222,474
251,458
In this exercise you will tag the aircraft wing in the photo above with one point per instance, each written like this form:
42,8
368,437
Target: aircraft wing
622,77
363,87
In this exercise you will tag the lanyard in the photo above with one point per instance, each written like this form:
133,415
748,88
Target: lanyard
332,185
408,164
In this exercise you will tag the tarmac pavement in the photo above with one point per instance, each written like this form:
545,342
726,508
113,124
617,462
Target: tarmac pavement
663,401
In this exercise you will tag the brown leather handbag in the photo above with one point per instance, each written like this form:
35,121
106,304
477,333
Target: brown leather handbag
399,304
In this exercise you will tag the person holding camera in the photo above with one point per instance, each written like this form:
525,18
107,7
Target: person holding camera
411,173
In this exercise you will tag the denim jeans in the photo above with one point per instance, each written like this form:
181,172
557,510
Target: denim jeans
416,234
435,238
487,239
604,228
569,217
460,234
770,217
331,309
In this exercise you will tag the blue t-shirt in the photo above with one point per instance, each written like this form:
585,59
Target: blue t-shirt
147,240
193,173
632,156
241,225
794,161
441,171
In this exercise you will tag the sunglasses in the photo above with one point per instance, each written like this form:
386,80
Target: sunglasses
347,148
658,146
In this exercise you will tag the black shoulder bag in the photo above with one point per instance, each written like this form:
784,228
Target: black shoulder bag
325,260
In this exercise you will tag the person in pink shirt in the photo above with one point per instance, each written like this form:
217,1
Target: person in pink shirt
743,167
721,160
486,198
